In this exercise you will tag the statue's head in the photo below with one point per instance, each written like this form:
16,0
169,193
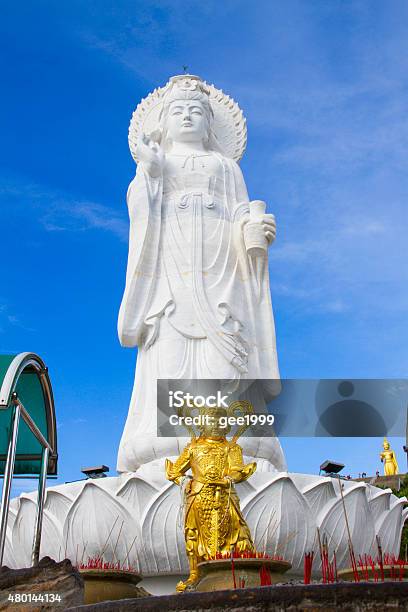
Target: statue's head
216,425
189,109
386,444
187,115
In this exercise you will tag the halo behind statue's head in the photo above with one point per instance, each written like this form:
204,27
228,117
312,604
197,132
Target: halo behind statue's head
228,123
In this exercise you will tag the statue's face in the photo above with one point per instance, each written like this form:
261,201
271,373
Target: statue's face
215,428
213,431
186,121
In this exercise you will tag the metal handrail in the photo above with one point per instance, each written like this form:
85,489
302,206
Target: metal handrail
20,411
30,423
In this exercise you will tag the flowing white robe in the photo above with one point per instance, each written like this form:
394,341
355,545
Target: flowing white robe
195,304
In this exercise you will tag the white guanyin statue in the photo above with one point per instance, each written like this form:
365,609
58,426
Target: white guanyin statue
197,300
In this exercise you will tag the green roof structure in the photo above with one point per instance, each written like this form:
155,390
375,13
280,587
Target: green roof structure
28,432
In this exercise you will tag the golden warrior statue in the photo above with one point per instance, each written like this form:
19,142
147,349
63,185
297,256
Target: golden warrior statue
389,459
213,520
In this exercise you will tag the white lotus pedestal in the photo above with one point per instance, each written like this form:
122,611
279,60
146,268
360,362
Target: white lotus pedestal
135,520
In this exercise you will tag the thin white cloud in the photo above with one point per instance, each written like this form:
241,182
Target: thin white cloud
368,227
82,216
65,213
8,319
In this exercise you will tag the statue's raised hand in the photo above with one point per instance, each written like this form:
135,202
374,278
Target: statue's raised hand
150,155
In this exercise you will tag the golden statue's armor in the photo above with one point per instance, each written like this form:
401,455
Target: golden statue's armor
213,520
389,459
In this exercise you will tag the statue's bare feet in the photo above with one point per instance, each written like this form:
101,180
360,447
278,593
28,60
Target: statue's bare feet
181,586
244,545
191,580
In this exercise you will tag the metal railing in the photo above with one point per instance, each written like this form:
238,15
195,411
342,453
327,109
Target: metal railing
18,411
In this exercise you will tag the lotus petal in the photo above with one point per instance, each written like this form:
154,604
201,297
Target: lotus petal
136,493
350,513
390,527
58,504
379,503
11,519
280,521
163,533
8,558
97,524
23,533
319,494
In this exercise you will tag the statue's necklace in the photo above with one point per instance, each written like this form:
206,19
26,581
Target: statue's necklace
192,157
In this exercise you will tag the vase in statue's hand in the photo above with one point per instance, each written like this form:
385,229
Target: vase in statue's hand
259,229
150,155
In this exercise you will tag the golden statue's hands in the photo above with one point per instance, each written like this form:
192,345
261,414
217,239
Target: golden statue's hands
250,468
224,482
169,468
237,475
150,154
171,472
245,472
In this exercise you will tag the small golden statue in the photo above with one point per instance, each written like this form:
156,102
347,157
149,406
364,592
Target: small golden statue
389,459
213,521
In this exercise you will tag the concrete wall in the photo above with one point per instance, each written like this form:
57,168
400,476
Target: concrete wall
364,597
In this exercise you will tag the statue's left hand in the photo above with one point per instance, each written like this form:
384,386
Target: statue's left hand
268,223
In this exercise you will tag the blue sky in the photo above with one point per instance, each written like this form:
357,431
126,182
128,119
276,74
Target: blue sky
324,88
